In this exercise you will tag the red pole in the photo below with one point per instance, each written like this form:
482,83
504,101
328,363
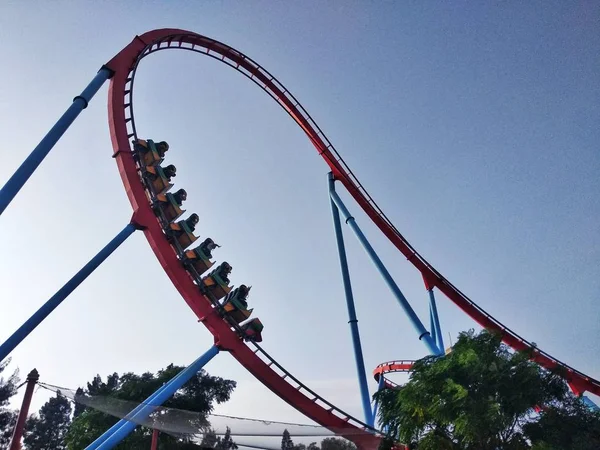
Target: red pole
32,379
154,440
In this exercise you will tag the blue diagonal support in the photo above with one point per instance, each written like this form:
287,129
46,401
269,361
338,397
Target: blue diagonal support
125,426
424,335
352,319
35,158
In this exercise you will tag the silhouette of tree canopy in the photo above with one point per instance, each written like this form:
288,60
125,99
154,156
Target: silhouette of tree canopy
48,429
198,395
480,396
8,417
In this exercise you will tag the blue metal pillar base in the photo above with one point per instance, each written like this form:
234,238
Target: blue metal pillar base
125,426
352,320
22,174
414,319
435,325
37,318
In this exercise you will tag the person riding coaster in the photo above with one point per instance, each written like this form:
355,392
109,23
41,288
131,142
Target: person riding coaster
199,257
159,178
183,231
216,283
149,152
252,330
170,204
235,304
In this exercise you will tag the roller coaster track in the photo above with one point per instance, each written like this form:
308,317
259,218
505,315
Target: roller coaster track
396,366
251,356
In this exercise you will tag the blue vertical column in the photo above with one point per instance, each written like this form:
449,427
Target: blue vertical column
20,177
125,426
352,320
380,386
412,316
37,318
432,325
435,322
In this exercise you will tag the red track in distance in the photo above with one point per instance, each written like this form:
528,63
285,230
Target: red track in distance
121,116
403,366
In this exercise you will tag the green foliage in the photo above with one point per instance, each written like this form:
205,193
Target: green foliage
477,397
198,395
8,417
313,446
48,430
331,443
211,440
286,441
571,425
336,444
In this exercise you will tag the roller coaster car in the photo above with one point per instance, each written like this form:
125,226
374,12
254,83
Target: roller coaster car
217,282
199,257
183,232
235,304
159,178
149,152
170,204
252,330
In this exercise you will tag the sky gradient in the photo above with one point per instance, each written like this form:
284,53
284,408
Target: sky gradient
474,127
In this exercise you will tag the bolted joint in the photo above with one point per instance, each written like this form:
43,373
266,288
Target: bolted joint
226,343
424,334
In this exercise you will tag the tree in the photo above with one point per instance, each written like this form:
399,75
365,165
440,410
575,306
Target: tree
226,442
571,425
48,431
337,444
211,440
8,417
479,396
286,441
313,446
198,395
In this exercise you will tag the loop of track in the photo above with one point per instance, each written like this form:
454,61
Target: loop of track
250,355
122,128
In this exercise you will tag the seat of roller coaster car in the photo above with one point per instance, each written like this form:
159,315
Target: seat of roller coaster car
167,203
198,259
238,296
150,153
160,182
253,330
192,221
181,233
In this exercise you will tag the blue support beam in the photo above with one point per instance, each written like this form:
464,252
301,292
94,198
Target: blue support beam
435,322
380,386
125,426
11,343
424,335
22,174
432,325
589,403
352,319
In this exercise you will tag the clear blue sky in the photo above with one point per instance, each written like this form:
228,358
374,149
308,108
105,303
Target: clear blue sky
475,127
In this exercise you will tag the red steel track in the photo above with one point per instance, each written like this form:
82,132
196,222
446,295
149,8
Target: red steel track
122,128
398,366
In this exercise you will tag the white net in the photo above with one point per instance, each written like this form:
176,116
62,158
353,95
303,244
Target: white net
198,428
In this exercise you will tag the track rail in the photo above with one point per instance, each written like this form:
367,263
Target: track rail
122,127
395,366
252,356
